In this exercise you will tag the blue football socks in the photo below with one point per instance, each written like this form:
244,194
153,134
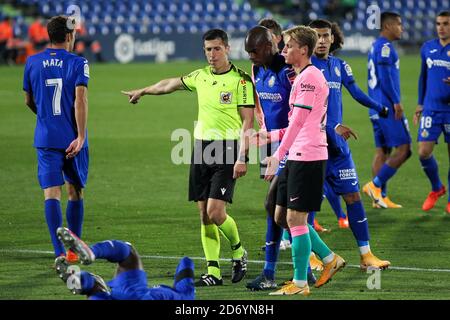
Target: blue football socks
273,238
386,172
111,250
53,216
358,221
431,169
74,216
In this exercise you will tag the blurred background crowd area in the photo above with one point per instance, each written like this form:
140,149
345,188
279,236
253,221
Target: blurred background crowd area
23,22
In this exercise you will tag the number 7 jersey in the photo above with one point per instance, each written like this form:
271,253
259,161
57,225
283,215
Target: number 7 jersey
51,78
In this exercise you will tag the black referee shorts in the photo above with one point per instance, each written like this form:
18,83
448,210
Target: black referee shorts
300,185
211,171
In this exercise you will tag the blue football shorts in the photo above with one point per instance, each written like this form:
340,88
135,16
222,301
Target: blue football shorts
54,168
389,132
341,173
432,124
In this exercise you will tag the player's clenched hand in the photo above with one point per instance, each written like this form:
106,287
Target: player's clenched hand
398,108
272,167
447,81
417,114
260,138
240,169
133,95
345,132
74,147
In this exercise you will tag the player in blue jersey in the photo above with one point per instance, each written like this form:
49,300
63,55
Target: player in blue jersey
433,110
130,281
392,132
341,172
275,29
273,81
55,83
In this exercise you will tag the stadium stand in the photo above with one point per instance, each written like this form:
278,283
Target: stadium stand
171,17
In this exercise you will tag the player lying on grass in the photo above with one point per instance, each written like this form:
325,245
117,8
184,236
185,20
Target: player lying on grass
130,282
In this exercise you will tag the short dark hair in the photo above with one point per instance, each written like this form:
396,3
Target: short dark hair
444,14
272,25
388,15
214,34
320,24
58,27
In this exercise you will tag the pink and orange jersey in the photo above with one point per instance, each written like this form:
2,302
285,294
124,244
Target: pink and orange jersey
305,137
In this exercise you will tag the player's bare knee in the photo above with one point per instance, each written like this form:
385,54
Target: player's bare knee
425,152
74,192
53,193
280,217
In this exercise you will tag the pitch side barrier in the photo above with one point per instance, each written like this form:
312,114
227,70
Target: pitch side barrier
127,48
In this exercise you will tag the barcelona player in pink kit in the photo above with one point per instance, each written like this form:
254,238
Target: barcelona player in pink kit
300,185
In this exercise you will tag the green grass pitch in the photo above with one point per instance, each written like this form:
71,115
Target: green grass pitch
136,194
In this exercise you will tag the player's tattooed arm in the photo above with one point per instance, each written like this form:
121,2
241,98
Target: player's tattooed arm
162,87
29,101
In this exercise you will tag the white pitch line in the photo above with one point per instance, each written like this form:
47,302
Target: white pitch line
203,259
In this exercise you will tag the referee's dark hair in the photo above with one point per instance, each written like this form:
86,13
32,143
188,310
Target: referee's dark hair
388,16
214,34
58,27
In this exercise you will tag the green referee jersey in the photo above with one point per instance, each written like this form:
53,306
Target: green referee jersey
219,97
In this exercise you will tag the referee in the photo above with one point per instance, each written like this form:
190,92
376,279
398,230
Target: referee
226,103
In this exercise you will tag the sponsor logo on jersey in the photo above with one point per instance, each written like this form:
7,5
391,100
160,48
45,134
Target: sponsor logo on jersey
334,85
433,51
337,71
225,97
307,87
438,63
347,174
274,97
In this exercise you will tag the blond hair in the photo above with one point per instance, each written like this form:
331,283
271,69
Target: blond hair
304,36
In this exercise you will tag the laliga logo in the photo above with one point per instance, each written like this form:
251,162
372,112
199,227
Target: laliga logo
126,48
